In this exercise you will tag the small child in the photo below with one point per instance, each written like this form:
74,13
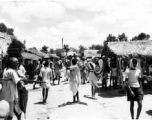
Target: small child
114,72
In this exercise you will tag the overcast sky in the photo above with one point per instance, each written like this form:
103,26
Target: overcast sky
78,22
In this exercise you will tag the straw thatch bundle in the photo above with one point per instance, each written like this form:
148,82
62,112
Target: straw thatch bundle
135,48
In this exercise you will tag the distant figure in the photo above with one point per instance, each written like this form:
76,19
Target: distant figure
21,69
106,70
83,71
57,72
67,71
74,80
31,70
114,72
46,74
38,68
134,93
92,76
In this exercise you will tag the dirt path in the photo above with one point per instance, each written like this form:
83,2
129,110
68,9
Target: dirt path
59,106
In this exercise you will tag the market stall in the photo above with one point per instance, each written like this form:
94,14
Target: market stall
139,49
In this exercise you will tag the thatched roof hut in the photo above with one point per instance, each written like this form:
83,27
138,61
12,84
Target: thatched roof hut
135,48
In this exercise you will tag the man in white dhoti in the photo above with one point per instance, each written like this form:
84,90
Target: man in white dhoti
74,80
46,74
92,77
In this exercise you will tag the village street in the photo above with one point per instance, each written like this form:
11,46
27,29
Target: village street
108,105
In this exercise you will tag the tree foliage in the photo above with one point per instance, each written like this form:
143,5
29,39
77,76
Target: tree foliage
96,47
141,36
15,47
81,49
44,49
10,31
51,51
58,52
66,48
111,38
3,28
33,48
122,37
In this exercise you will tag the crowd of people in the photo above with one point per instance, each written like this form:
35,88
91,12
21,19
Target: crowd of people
77,71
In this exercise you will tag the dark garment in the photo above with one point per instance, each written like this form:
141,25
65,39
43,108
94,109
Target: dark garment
138,94
23,97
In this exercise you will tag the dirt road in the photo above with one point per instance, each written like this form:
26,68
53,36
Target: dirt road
108,105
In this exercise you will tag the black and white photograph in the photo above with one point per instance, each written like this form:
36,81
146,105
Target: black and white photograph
75,59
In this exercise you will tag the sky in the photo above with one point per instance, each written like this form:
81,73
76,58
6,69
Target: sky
78,22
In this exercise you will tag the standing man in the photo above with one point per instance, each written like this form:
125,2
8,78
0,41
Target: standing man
134,93
46,74
74,80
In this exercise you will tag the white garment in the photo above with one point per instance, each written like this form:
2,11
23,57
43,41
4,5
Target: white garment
11,74
46,74
92,77
22,69
4,109
75,79
12,92
133,76
100,63
9,91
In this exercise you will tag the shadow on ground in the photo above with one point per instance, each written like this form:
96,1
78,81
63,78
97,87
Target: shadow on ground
110,92
71,103
40,103
89,97
149,112
118,92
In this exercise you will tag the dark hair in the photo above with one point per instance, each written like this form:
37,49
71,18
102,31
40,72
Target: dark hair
46,64
11,61
74,61
134,60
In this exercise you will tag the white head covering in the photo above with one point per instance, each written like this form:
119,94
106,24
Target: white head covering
131,64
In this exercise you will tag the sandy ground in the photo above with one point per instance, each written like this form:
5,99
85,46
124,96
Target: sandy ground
107,105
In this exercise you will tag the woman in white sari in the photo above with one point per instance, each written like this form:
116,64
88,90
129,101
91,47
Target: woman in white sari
75,80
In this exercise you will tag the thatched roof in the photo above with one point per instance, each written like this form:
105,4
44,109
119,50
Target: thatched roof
38,53
30,56
135,48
